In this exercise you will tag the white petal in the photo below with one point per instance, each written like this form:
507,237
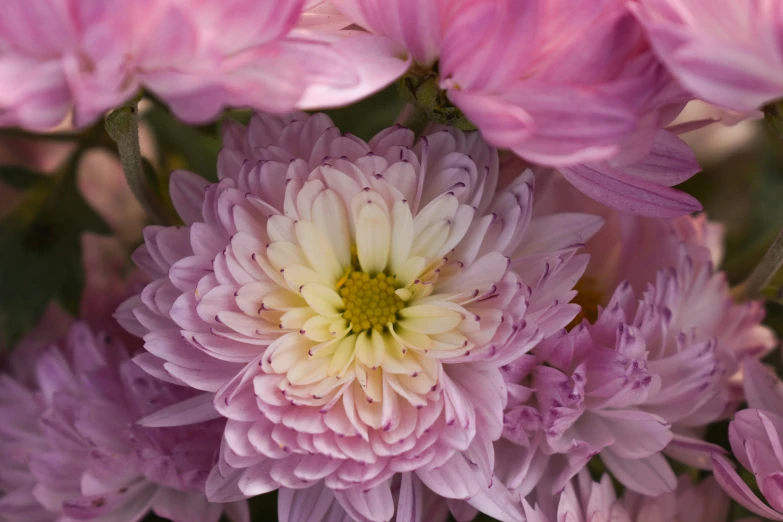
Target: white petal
370,349
402,235
331,218
373,238
308,371
317,328
323,299
343,356
429,319
296,276
283,254
318,251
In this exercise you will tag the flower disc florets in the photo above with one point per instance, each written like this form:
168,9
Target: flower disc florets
350,304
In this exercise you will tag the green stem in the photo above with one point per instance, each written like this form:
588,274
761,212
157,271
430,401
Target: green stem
123,126
754,285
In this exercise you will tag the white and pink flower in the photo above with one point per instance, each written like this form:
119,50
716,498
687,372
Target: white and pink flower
349,305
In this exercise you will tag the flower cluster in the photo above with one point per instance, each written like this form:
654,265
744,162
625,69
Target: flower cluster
72,449
497,305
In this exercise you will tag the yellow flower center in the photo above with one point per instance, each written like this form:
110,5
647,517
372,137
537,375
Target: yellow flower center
370,302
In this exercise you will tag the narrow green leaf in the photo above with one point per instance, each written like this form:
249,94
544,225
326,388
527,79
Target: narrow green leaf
40,251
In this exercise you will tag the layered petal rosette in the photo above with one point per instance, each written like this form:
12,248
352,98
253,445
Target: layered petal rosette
672,266
72,450
350,303
756,439
725,52
529,82
646,371
197,56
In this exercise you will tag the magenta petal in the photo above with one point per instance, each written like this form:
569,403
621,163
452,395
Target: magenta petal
693,452
190,411
224,487
455,479
498,502
375,504
377,63
731,482
650,476
669,163
763,390
611,187
304,505
187,194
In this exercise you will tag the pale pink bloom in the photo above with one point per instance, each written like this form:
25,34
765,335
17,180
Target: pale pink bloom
726,52
413,502
350,303
558,83
642,251
662,356
588,400
756,437
702,502
198,56
71,448
583,500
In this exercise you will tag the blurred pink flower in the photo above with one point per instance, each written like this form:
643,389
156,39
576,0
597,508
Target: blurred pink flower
575,86
662,356
107,278
653,253
198,56
702,502
756,437
583,500
726,52
262,299
71,448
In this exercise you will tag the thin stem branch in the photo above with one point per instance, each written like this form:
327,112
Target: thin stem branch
755,284
123,127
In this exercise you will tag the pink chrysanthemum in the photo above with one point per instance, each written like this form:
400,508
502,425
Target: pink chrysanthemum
350,303
658,362
198,56
726,52
529,82
71,448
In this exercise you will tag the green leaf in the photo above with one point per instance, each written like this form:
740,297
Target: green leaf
40,251
19,177
368,117
182,146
